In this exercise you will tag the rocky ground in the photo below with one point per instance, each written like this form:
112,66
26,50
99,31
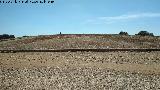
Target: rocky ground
81,41
80,70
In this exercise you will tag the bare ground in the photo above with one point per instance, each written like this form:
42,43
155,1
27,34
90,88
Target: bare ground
80,70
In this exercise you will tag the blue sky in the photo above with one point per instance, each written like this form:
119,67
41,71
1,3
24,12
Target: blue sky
81,16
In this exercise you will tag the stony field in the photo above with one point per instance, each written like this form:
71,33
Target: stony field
81,41
80,71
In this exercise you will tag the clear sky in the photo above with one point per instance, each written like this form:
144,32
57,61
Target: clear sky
81,16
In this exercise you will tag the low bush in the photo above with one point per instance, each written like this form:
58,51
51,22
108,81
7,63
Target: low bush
145,33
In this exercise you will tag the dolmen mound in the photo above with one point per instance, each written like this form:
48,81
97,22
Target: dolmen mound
80,70
80,41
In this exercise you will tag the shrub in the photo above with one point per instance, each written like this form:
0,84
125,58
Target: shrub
123,33
6,36
12,36
25,36
145,33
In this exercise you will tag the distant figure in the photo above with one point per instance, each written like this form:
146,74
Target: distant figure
60,33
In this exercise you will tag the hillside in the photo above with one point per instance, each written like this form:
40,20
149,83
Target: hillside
93,41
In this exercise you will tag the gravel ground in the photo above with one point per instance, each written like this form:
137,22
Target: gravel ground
76,57
80,71
54,78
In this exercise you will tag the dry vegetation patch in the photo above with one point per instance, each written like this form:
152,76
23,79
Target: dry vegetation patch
82,41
